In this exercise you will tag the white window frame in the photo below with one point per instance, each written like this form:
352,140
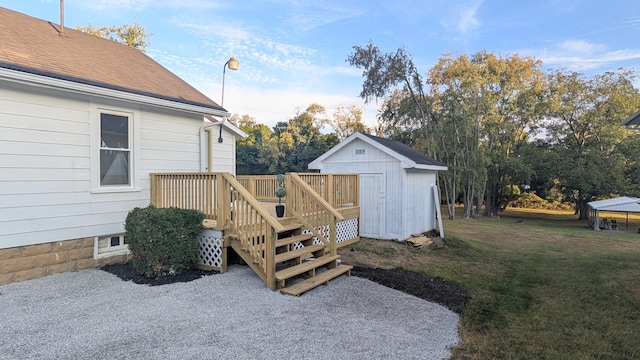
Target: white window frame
120,249
134,149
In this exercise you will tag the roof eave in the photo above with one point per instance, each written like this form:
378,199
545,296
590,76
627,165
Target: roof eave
633,120
431,167
80,88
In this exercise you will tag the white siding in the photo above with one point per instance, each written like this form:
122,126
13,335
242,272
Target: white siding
374,161
224,153
46,164
419,203
169,142
408,202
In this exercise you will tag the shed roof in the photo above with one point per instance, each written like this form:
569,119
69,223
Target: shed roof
410,158
38,47
633,120
621,204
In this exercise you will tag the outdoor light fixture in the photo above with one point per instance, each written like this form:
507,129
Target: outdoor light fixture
232,64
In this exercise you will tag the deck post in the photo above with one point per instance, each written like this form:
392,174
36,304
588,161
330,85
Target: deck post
223,203
154,190
333,236
288,200
270,253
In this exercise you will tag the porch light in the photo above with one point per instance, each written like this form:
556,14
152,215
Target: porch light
232,64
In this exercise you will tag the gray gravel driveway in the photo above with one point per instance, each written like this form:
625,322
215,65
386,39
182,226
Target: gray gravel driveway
92,314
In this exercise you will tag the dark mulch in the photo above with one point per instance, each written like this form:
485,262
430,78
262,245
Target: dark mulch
127,272
432,289
424,287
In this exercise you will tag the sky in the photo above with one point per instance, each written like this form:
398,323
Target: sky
293,53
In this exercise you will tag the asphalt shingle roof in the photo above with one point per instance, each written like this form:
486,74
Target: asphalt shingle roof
38,47
406,151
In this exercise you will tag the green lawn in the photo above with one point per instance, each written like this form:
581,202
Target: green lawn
542,285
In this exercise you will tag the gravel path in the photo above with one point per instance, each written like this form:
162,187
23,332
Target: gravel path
92,314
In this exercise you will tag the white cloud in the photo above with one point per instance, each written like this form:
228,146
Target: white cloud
468,20
580,47
583,62
306,16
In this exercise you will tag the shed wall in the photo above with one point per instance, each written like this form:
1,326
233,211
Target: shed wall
46,190
374,161
419,211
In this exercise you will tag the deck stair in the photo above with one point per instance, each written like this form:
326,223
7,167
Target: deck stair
300,264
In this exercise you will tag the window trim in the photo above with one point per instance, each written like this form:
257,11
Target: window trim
134,149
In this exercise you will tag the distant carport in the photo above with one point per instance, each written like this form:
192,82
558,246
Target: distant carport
624,204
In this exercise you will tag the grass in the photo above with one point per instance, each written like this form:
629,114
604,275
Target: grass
542,285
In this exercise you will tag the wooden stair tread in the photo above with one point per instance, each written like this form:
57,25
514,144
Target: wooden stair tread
304,267
293,239
291,226
313,282
298,252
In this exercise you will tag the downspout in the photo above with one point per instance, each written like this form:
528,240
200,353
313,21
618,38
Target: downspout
209,147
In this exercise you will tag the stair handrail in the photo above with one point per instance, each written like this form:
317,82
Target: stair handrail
308,189
266,254
253,202
334,215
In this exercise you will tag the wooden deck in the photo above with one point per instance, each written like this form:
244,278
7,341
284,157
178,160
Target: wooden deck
294,253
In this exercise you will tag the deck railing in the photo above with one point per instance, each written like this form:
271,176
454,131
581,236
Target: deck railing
197,191
339,190
313,211
262,187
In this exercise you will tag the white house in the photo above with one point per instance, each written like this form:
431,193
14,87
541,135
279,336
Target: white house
83,122
398,190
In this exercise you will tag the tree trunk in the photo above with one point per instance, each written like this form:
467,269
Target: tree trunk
582,208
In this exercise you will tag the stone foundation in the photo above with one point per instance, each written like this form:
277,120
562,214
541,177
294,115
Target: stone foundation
34,261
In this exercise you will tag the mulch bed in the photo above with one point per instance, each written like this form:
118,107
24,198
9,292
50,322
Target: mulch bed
127,272
424,287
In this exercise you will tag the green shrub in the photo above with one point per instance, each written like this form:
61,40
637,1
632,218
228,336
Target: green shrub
163,241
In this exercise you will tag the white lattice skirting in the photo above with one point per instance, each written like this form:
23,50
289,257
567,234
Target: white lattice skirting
345,230
210,254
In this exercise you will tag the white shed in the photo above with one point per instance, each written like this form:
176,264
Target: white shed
398,190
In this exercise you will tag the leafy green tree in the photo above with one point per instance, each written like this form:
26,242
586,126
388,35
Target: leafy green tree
584,125
348,120
134,36
300,140
256,153
487,105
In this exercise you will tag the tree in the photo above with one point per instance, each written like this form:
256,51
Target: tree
134,36
348,120
300,140
407,110
584,126
387,73
258,153
487,104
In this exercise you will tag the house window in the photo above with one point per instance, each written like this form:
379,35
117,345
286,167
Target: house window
359,151
110,245
115,150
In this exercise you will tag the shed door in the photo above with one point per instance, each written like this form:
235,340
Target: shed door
372,205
